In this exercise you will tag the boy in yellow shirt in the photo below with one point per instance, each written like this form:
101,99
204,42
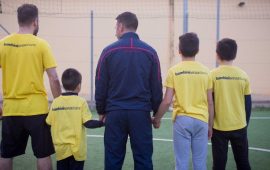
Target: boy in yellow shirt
232,99
68,117
190,84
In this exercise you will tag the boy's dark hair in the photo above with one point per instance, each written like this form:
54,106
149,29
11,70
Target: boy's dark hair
27,13
71,78
128,19
226,49
189,44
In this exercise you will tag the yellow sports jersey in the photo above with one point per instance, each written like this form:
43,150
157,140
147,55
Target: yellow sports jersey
190,81
230,85
66,117
23,59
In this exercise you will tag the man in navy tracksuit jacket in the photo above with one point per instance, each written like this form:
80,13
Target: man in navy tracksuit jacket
128,88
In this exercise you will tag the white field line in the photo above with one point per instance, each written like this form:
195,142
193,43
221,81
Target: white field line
170,140
256,118
260,118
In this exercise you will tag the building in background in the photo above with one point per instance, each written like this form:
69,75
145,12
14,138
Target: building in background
66,25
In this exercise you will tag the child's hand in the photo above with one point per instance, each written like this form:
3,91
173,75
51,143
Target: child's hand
156,122
152,120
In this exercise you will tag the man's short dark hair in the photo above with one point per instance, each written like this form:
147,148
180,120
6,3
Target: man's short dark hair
226,49
189,44
71,78
27,13
128,19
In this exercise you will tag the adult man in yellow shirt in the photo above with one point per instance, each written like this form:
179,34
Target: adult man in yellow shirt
23,59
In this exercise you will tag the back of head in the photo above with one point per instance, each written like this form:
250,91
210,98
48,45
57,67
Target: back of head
129,20
71,78
26,14
189,44
226,49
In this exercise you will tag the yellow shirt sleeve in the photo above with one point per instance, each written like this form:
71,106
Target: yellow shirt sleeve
47,56
169,80
86,114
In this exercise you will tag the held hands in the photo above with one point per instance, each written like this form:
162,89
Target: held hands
1,112
102,118
210,132
156,122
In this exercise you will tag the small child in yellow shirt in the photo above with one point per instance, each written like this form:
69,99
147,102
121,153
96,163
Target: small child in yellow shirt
69,115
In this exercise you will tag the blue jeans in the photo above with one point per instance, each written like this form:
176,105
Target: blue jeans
190,134
118,126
